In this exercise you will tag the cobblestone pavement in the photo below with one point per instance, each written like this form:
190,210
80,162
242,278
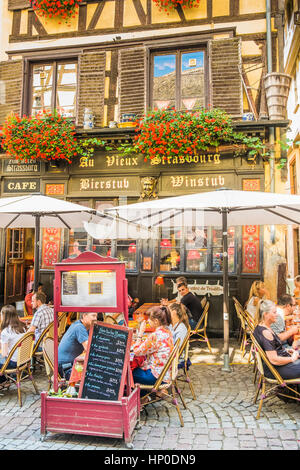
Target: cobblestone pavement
222,417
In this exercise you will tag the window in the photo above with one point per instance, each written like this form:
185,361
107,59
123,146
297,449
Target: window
170,250
178,80
54,86
200,252
126,251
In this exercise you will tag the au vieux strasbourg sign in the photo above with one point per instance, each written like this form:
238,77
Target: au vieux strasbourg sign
104,162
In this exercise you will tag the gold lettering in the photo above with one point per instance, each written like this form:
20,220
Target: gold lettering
216,158
84,184
110,160
83,162
176,181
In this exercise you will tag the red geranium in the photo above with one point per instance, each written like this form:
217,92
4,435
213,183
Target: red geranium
48,136
56,8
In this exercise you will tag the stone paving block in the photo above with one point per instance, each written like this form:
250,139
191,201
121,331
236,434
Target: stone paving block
290,445
287,434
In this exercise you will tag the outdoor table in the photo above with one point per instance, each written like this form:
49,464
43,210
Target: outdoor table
26,320
144,308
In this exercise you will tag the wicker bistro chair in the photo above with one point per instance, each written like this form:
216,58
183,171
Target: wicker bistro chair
247,327
183,356
200,329
62,324
166,391
278,383
48,353
37,356
16,376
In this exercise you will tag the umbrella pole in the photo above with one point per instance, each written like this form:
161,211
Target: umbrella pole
37,251
226,366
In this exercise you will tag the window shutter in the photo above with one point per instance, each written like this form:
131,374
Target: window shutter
11,79
91,86
225,67
18,4
132,83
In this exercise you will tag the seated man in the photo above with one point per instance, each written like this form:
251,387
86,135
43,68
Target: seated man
74,342
28,299
285,307
43,314
191,302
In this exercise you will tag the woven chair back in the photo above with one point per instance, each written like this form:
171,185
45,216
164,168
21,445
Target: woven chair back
25,350
48,353
206,308
168,365
260,354
185,342
49,331
62,319
203,302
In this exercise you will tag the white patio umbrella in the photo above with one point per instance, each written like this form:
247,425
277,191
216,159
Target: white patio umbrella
36,210
221,208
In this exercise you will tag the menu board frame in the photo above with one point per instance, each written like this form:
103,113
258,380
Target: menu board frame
125,365
90,261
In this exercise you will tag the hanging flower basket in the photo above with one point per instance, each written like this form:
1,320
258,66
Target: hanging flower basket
169,133
168,5
64,9
46,137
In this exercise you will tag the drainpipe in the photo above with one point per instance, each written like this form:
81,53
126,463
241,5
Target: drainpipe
270,70
272,129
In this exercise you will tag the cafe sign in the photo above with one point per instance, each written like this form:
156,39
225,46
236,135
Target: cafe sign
13,185
11,166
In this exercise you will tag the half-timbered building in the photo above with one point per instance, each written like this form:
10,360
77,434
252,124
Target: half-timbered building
121,57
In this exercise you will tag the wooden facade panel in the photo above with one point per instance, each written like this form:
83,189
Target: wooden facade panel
11,78
226,80
132,83
91,86
18,4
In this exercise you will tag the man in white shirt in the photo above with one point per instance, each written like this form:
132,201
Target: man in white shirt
43,314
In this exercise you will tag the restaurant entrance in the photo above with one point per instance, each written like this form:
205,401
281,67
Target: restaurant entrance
18,263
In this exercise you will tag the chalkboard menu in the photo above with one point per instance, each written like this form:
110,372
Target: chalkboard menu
106,362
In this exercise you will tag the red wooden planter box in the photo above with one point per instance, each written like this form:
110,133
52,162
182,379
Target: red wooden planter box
116,419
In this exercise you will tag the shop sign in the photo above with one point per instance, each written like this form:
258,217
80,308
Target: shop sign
123,184
201,289
104,162
193,182
18,167
22,185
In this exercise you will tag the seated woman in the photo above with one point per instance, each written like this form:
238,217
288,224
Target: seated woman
179,327
12,329
157,347
286,362
179,322
257,292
